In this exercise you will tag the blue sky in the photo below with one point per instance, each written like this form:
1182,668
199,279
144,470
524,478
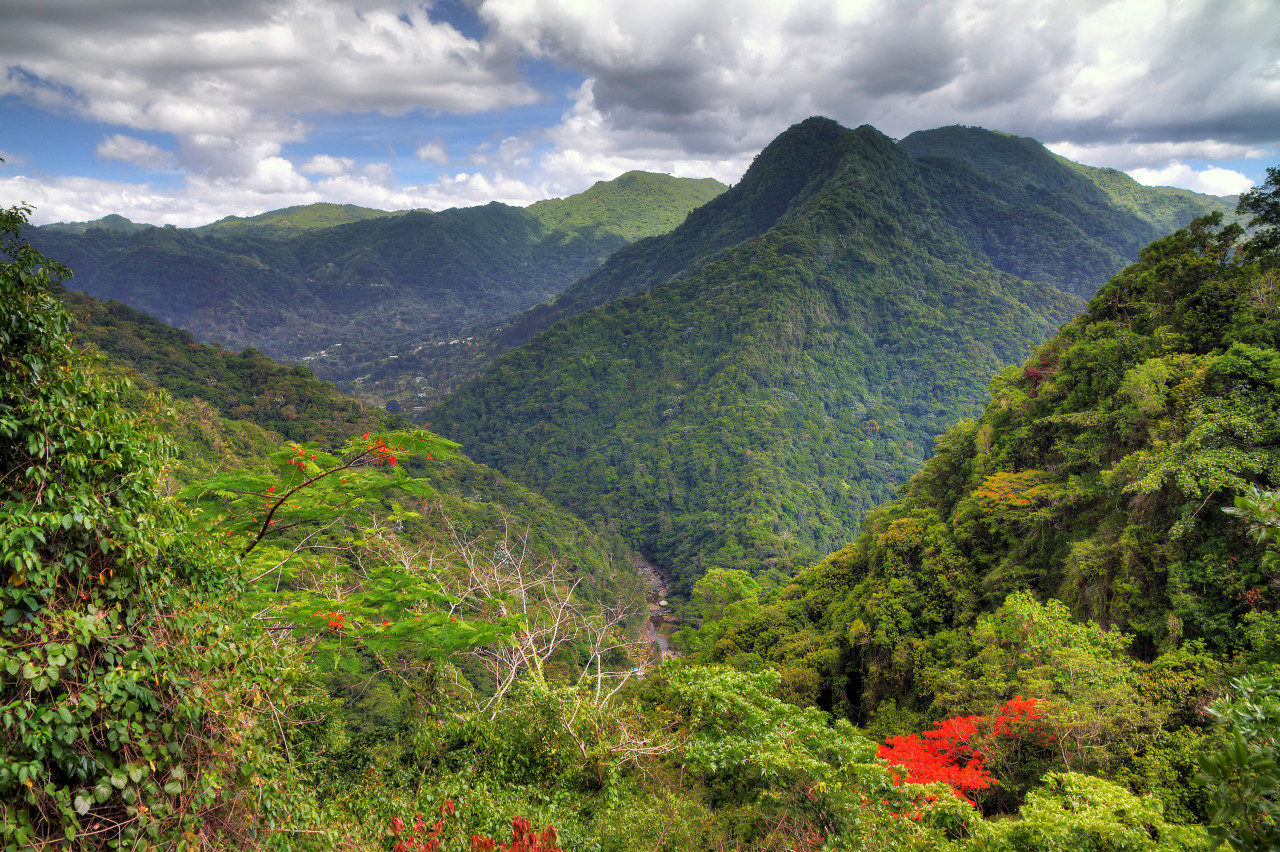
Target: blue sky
186,112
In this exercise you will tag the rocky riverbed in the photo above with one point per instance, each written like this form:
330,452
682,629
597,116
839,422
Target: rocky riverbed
660,614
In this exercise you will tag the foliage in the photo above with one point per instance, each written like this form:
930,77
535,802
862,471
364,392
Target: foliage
1262,203
953,752
1244,776
1096,489
1262,510
1079,812
259,506
138,706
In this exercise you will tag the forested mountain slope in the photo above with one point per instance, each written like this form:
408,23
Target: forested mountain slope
1033,213
286,284
1097,475
232,409
1045,218
748,411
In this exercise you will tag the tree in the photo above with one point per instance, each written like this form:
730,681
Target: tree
953,752
1263,202
1093,712
1244,777
137,706
1262,510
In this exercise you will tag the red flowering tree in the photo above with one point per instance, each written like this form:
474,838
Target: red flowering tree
953,753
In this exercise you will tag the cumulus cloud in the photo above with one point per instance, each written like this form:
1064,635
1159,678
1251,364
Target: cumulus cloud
1211,181
238,74
1127,157
135,151
694,88
203,200
719,80
323,164
433,152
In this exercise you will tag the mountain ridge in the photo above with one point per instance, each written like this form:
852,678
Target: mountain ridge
293,291
741,362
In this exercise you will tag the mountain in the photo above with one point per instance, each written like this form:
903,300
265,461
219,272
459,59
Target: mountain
1097,476
110,222
745,410
294,283
1033,213
633,206
1041,217
232,409
307,217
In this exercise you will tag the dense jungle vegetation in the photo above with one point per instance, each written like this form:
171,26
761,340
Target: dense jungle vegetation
217,635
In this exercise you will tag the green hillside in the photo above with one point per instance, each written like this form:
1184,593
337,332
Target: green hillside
306,217
1042,217
1165,207
110,222
746,413
1071,544
633,206
231,409
331,649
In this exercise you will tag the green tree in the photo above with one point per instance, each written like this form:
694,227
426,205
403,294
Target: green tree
1263,203
136,704
1244,777
1094,711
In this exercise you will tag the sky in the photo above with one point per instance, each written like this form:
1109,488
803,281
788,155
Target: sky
184,111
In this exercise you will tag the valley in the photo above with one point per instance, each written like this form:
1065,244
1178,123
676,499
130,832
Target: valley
907,494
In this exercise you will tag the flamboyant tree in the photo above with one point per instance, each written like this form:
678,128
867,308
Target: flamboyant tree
952,753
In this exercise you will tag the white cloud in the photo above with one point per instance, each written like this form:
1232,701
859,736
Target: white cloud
708,80
694,88
277,184
1154,154
323,164
1212,180
239,74
586,149
135,151
433,152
